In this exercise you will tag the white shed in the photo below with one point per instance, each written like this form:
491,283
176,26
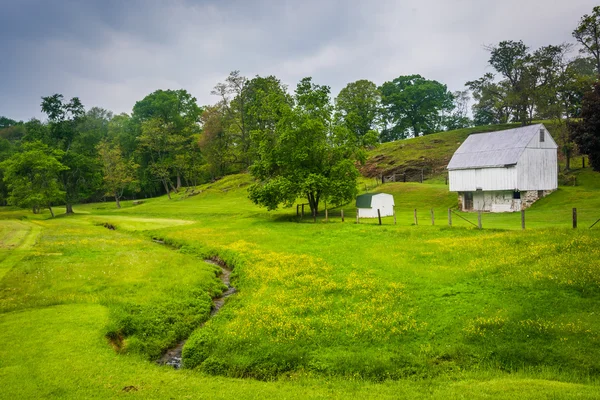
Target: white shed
505,170
368,204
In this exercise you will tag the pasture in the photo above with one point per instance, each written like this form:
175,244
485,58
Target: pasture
325,309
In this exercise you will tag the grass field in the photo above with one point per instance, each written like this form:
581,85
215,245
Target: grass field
326,309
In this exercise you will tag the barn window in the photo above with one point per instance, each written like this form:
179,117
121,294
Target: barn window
516,195
542,135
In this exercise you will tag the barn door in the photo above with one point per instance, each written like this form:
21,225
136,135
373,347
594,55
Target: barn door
468,203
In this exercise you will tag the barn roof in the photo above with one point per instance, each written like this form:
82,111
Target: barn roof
493,149
364,200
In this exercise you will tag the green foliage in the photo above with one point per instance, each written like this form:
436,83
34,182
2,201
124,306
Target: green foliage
31,176
119,173
301,156
413,106
358,108
587,34
586,133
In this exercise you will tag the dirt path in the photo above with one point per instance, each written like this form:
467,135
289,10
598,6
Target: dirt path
19,252
173,356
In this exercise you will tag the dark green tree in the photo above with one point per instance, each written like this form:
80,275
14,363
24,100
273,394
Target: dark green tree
413,106
82,178
32,177
586,132
358,107
304,155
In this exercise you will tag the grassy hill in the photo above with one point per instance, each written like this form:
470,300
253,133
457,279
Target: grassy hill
326,309
430,153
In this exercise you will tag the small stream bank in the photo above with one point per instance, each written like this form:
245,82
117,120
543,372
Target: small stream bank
173,356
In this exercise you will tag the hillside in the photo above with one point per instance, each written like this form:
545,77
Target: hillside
430,153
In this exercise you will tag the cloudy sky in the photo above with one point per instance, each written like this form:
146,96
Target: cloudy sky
111,53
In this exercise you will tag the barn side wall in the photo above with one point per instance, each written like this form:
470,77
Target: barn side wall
469,180
538,169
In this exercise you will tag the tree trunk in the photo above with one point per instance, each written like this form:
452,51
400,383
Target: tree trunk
178,181
118,202
69,208
166,185
51,211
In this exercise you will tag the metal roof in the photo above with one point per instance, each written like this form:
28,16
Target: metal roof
493,149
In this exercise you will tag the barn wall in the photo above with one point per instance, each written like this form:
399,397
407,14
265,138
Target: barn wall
538,169
385,204
469,180
495,201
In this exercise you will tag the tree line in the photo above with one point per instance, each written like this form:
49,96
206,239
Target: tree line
296,144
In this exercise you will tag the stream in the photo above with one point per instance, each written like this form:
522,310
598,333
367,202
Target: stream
173,356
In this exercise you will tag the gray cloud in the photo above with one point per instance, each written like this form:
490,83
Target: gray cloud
113,53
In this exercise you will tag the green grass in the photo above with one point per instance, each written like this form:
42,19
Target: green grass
430,153
326,309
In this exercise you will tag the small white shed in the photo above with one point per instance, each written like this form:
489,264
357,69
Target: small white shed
504,170
368,204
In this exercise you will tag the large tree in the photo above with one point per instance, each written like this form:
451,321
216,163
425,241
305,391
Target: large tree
588,34
32,177
304,155
178,114
413,106
119,173
586,132
358,108
82,178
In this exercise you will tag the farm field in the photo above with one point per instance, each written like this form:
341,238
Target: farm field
325,309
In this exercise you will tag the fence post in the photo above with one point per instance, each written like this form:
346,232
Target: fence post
394,216
450,217
432,218
574,218
522,219
416,220
379,216
342,215
479,219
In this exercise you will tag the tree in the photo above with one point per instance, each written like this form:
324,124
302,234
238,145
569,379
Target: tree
159,142
177,112
588,34
214,143
32,177
586,133
233,94
413,106
305,155
491,106
7,122
358,108
82,177
119,173
459,117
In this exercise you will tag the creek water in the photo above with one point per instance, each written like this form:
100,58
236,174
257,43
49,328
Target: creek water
173,356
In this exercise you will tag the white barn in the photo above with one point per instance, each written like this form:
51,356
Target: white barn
504,171
368,204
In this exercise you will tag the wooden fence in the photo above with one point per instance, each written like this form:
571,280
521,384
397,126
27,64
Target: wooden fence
475,220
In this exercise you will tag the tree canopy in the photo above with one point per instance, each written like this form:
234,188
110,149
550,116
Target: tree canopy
413,106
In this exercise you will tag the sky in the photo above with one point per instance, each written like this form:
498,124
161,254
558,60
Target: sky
112,53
